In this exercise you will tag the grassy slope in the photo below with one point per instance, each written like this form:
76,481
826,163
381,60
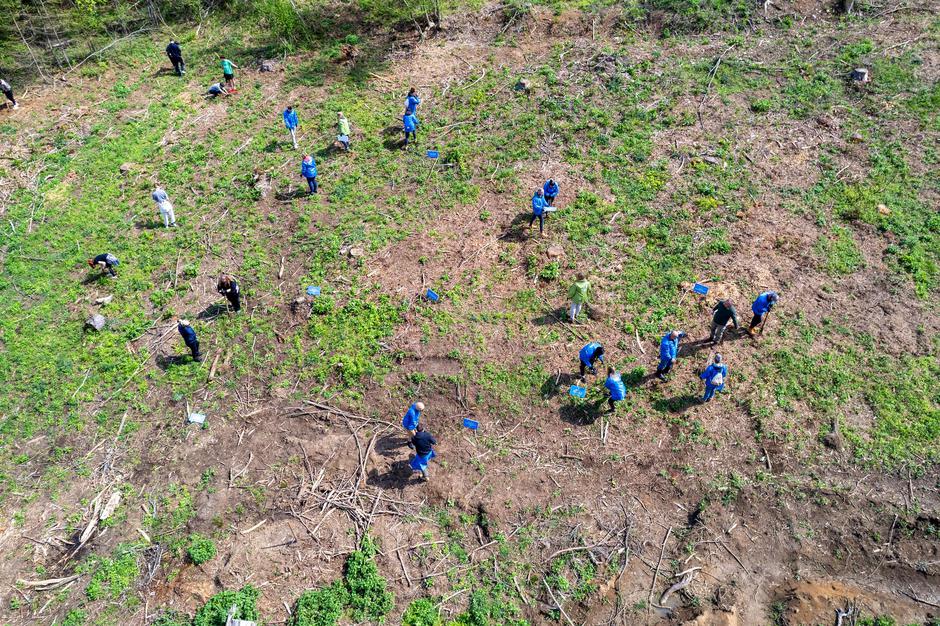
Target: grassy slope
74,388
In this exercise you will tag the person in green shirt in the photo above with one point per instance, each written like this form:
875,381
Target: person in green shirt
344,132
578,293
228,72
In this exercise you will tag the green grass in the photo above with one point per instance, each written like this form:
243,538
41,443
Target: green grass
900,392
839,252
915,226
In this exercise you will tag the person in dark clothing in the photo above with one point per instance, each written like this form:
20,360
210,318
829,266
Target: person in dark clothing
189,338
176,57
106,262
722,313
7,90
423,444
216,90
228,287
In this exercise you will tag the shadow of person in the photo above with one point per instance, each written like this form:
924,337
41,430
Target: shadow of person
166,361
582,413
273,146
391,445
519,229
556,316
164,71
558,383
689,348
395,142
212,311
398,476
392,131
300,192
327,151
150,224
676,404
94,277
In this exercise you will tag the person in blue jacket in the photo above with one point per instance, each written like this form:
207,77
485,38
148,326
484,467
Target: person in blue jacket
550,189
189,338
668,351
412,101
538,210
308,169
614,385
410,421
410,122
589,355
290,121
761,307
715,376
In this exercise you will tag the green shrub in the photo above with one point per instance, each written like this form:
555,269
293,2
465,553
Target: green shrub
761,105
422,612
201,549
368,597
551,271
113,576
320,607
215,611
75,617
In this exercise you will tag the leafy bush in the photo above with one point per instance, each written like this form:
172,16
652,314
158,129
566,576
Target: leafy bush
75,617
215,611
201,549
320,607
368,597
761,105
551,271
422,612
113,576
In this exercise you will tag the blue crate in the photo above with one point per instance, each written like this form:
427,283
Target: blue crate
577,392
432,296
700,288
471,424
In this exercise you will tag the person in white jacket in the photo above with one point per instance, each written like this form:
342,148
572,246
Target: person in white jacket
166,208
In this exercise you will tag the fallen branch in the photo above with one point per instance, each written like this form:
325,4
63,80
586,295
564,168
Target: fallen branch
662,552
255,527
557,603
48,584
686,580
